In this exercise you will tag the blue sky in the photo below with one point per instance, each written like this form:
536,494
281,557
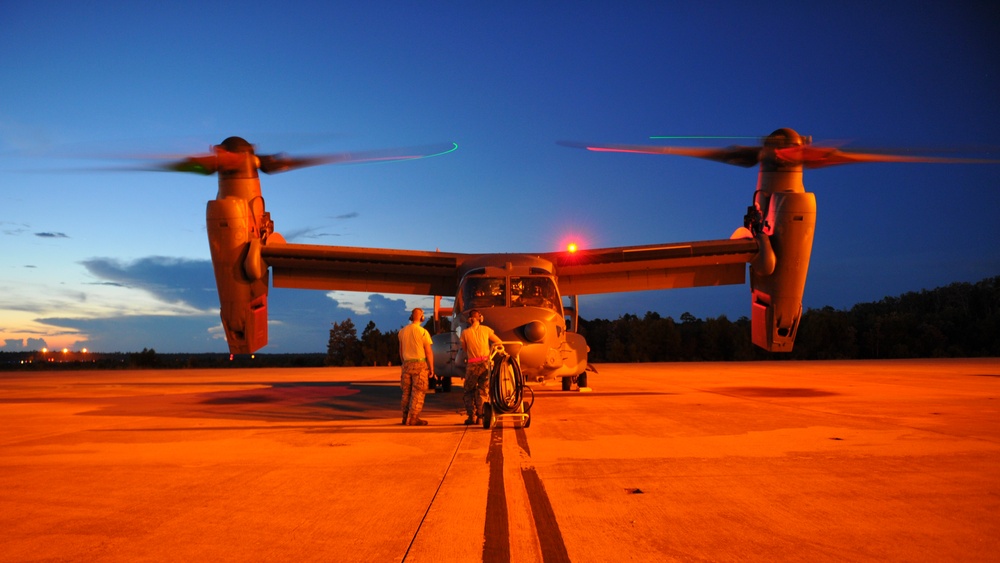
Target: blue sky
119,261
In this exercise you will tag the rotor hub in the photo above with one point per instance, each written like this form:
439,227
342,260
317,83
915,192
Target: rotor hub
786,137
237,144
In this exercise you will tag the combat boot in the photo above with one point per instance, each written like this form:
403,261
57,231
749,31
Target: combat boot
415,421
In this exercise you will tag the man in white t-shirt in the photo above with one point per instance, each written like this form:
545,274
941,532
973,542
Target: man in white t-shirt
476,340
418,366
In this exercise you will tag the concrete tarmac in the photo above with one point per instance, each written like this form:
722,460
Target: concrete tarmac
784,461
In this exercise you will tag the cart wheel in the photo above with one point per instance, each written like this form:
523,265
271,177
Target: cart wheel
527,421
567,382
487,416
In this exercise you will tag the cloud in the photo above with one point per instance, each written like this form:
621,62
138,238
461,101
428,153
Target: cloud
315,232
307,233
52,235
299,320
23,345
172,280
13,229
133,333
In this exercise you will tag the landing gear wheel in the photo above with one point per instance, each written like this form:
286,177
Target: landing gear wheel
487,416
527,421
581,380
445,384
567,382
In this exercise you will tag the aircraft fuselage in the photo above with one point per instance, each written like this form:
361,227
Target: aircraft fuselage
519,299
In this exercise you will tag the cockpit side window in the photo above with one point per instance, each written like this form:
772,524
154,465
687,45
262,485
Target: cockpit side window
483,292
534,291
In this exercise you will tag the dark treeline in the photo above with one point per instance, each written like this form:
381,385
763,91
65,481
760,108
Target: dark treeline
374,348
959,320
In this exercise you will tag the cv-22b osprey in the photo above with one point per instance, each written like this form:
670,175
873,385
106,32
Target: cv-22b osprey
528,298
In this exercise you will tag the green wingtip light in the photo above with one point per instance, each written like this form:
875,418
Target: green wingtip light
454,147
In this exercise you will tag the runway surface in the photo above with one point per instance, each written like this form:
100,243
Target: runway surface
793,461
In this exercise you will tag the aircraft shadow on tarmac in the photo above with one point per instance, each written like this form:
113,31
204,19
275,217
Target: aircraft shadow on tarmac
773,392
282,402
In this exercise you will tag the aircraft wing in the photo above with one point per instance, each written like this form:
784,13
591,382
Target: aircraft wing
370,270
663,266
602,270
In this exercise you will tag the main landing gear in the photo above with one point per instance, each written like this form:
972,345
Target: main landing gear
580,380
440,384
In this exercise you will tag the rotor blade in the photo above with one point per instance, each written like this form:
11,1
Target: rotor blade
204,164
820,157
735,155
275,163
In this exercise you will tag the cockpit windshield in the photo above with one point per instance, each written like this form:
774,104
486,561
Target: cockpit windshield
522,291
484,292
534,291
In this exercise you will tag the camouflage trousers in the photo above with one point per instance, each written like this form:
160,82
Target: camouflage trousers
477,380
414,382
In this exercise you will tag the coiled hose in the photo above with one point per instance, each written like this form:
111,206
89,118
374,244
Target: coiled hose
507,385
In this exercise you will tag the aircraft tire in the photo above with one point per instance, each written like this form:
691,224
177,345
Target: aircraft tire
446,384
487,416
581,380
567,383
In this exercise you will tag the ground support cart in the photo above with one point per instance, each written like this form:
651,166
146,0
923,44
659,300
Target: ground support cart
506,398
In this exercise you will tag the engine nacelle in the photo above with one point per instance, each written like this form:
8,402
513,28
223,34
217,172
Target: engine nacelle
234,237
777,297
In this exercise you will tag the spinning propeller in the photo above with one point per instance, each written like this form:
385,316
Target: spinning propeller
231,156
780,150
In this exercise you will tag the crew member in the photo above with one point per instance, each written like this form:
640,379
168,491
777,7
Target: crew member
476,340
418,366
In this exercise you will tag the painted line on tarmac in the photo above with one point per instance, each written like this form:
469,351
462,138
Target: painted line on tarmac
497,532
549,535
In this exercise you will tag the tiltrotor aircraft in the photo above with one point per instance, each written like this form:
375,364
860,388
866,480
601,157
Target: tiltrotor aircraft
529,298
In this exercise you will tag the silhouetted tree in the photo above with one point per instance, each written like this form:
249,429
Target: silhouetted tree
374,346
392,346
343,348
826,334
145,359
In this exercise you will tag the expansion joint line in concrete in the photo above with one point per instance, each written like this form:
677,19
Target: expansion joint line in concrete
436,491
